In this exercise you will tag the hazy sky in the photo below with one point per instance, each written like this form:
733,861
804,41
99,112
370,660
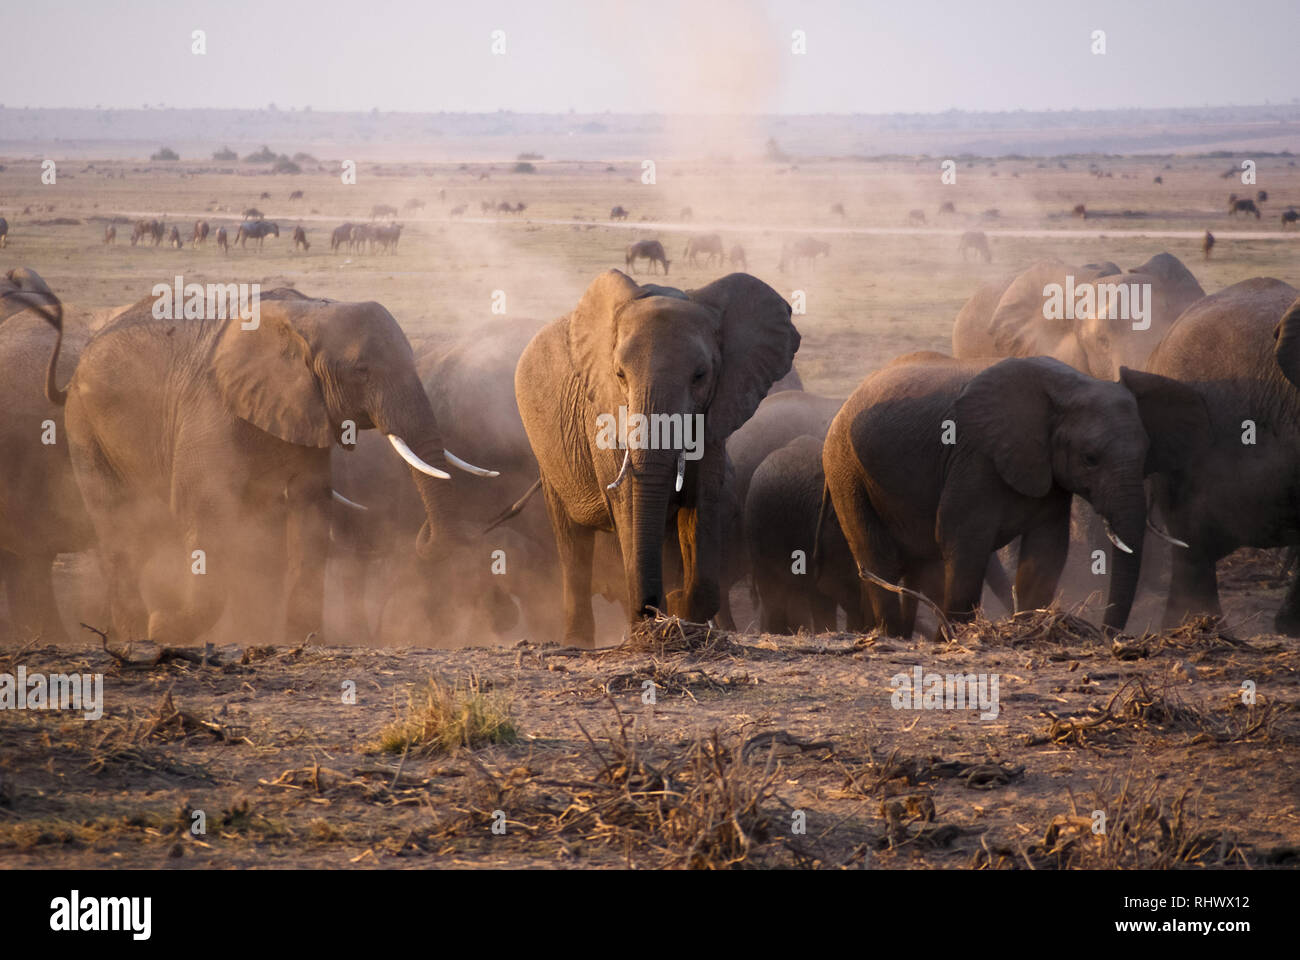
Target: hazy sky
650,55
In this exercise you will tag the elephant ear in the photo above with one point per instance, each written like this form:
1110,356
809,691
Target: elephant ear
1005,413
758,343
1019,326
1174,416
265,377
592,324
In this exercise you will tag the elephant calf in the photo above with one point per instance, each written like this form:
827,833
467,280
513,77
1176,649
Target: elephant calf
801,563
934,464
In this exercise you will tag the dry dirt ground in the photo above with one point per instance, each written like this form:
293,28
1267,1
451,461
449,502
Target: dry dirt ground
757,751
750,736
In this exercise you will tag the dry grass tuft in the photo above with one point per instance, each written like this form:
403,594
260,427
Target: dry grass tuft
442,716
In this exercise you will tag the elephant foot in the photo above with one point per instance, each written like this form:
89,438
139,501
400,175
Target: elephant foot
1287,623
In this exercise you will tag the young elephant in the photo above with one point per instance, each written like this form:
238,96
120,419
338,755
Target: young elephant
932,466
647,357
202,451
800,560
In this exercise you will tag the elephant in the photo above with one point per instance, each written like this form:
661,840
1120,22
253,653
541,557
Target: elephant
699,360
1097,341
41,512
202,452
1013,441
801,563
651,250
1244,489
470,385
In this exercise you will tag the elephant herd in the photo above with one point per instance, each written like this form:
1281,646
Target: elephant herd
653,446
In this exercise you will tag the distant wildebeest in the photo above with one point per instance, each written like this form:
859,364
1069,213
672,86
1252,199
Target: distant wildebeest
916,216
258,230
505,207
1158,179
252,213
141,230
174,237
110,235
737,258
651,250
201,229
687,213
805,248
341,235
362,239
296,195
1242,206
300,239
975,240
159,230
838,208
520,207
458,211
222,243
387,237
709,245
946,207
618,213
1207,244
486,206
265,196
1080,211
413,204
1262,196
1289,217
382,210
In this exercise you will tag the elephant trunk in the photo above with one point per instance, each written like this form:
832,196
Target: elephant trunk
642,538
1287,350
1125,520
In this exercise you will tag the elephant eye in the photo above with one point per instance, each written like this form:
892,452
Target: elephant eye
699,374
1091,459
621,375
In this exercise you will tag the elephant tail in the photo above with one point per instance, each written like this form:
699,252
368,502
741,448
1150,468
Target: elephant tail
29,291
515,508
822,513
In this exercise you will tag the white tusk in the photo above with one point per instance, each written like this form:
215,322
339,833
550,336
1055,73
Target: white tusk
681,470
460,464
622,472
1164,535
1110,535
409,456
346,502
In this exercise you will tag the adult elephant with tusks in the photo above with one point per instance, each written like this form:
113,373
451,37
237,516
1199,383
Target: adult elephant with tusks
650,354
931,466
202,451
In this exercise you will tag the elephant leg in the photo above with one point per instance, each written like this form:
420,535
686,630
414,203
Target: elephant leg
187,584
1287,621
1193,587
1042,558
873,550
825,613
996,577
307,535
927,578
699,534
30,590
575,545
